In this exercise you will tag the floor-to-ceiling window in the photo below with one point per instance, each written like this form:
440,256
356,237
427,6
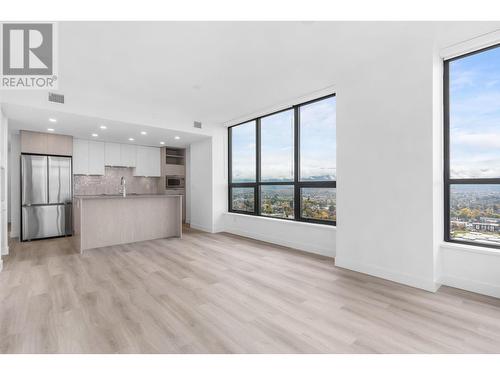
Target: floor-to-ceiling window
472,148
283,165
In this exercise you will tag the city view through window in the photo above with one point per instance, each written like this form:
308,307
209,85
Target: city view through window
313,181
474,148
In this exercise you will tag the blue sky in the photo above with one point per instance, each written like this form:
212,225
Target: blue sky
318,144
475,115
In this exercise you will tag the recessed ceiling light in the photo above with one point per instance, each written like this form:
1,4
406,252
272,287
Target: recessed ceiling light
162,143
52,119
177,137
131,139
95,135
50,129
143,133
103,127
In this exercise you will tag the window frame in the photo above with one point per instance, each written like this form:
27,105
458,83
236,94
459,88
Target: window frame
448,182
296,183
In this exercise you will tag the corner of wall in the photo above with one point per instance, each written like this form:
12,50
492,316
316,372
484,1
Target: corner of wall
387,274
219,178
437,162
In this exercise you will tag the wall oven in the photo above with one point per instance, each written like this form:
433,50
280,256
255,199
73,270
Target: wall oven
174,182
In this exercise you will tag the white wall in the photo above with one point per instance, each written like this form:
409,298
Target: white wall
313,238
208,182
389,169
385,164
220,181
187,182
15,188
471,268
4,170
201,216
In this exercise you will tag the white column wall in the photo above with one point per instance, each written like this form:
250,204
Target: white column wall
4,170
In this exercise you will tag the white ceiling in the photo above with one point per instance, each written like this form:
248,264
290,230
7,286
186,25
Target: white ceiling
169,74
29,118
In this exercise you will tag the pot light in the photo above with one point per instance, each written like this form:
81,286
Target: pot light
52,119
50,129
95,135
103,127
131,139
143,133
177,137
162,143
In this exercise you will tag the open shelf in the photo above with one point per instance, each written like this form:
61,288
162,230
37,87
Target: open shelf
174,156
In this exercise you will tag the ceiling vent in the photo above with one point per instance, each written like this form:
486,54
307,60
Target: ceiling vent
56,98
197,124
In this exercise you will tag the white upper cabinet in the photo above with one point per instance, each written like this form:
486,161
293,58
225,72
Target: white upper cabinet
119,155
80,156
128,155
96,158
88,157
154,162
112,154
147,162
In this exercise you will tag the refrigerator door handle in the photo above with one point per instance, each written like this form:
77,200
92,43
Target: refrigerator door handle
60,179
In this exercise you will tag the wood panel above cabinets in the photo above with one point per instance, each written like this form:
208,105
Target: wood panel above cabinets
46,144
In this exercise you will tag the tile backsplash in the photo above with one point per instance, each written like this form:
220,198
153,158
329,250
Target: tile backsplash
110,183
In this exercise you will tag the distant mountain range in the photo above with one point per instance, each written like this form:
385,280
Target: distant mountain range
311,178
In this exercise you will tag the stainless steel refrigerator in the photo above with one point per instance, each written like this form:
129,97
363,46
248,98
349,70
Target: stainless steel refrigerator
46,196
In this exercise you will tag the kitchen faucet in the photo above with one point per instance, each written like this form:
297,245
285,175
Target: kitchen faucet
123,186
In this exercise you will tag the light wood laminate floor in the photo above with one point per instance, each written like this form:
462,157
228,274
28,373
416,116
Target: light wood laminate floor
218,293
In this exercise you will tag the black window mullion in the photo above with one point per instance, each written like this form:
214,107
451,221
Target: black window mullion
229,168
296,161
446,150
474,181
448,181
296,183
257,168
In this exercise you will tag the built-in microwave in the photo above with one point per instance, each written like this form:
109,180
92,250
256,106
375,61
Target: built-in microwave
174,182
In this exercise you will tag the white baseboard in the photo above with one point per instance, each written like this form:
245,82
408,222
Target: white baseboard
472,285
200,227
383,273
303,246
5,250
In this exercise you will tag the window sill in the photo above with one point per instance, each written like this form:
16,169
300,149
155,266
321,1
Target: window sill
469,248
275,220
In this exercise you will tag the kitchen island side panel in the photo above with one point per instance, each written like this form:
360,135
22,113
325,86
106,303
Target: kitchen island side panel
108,221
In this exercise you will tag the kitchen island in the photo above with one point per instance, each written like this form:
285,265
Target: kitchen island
107,220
